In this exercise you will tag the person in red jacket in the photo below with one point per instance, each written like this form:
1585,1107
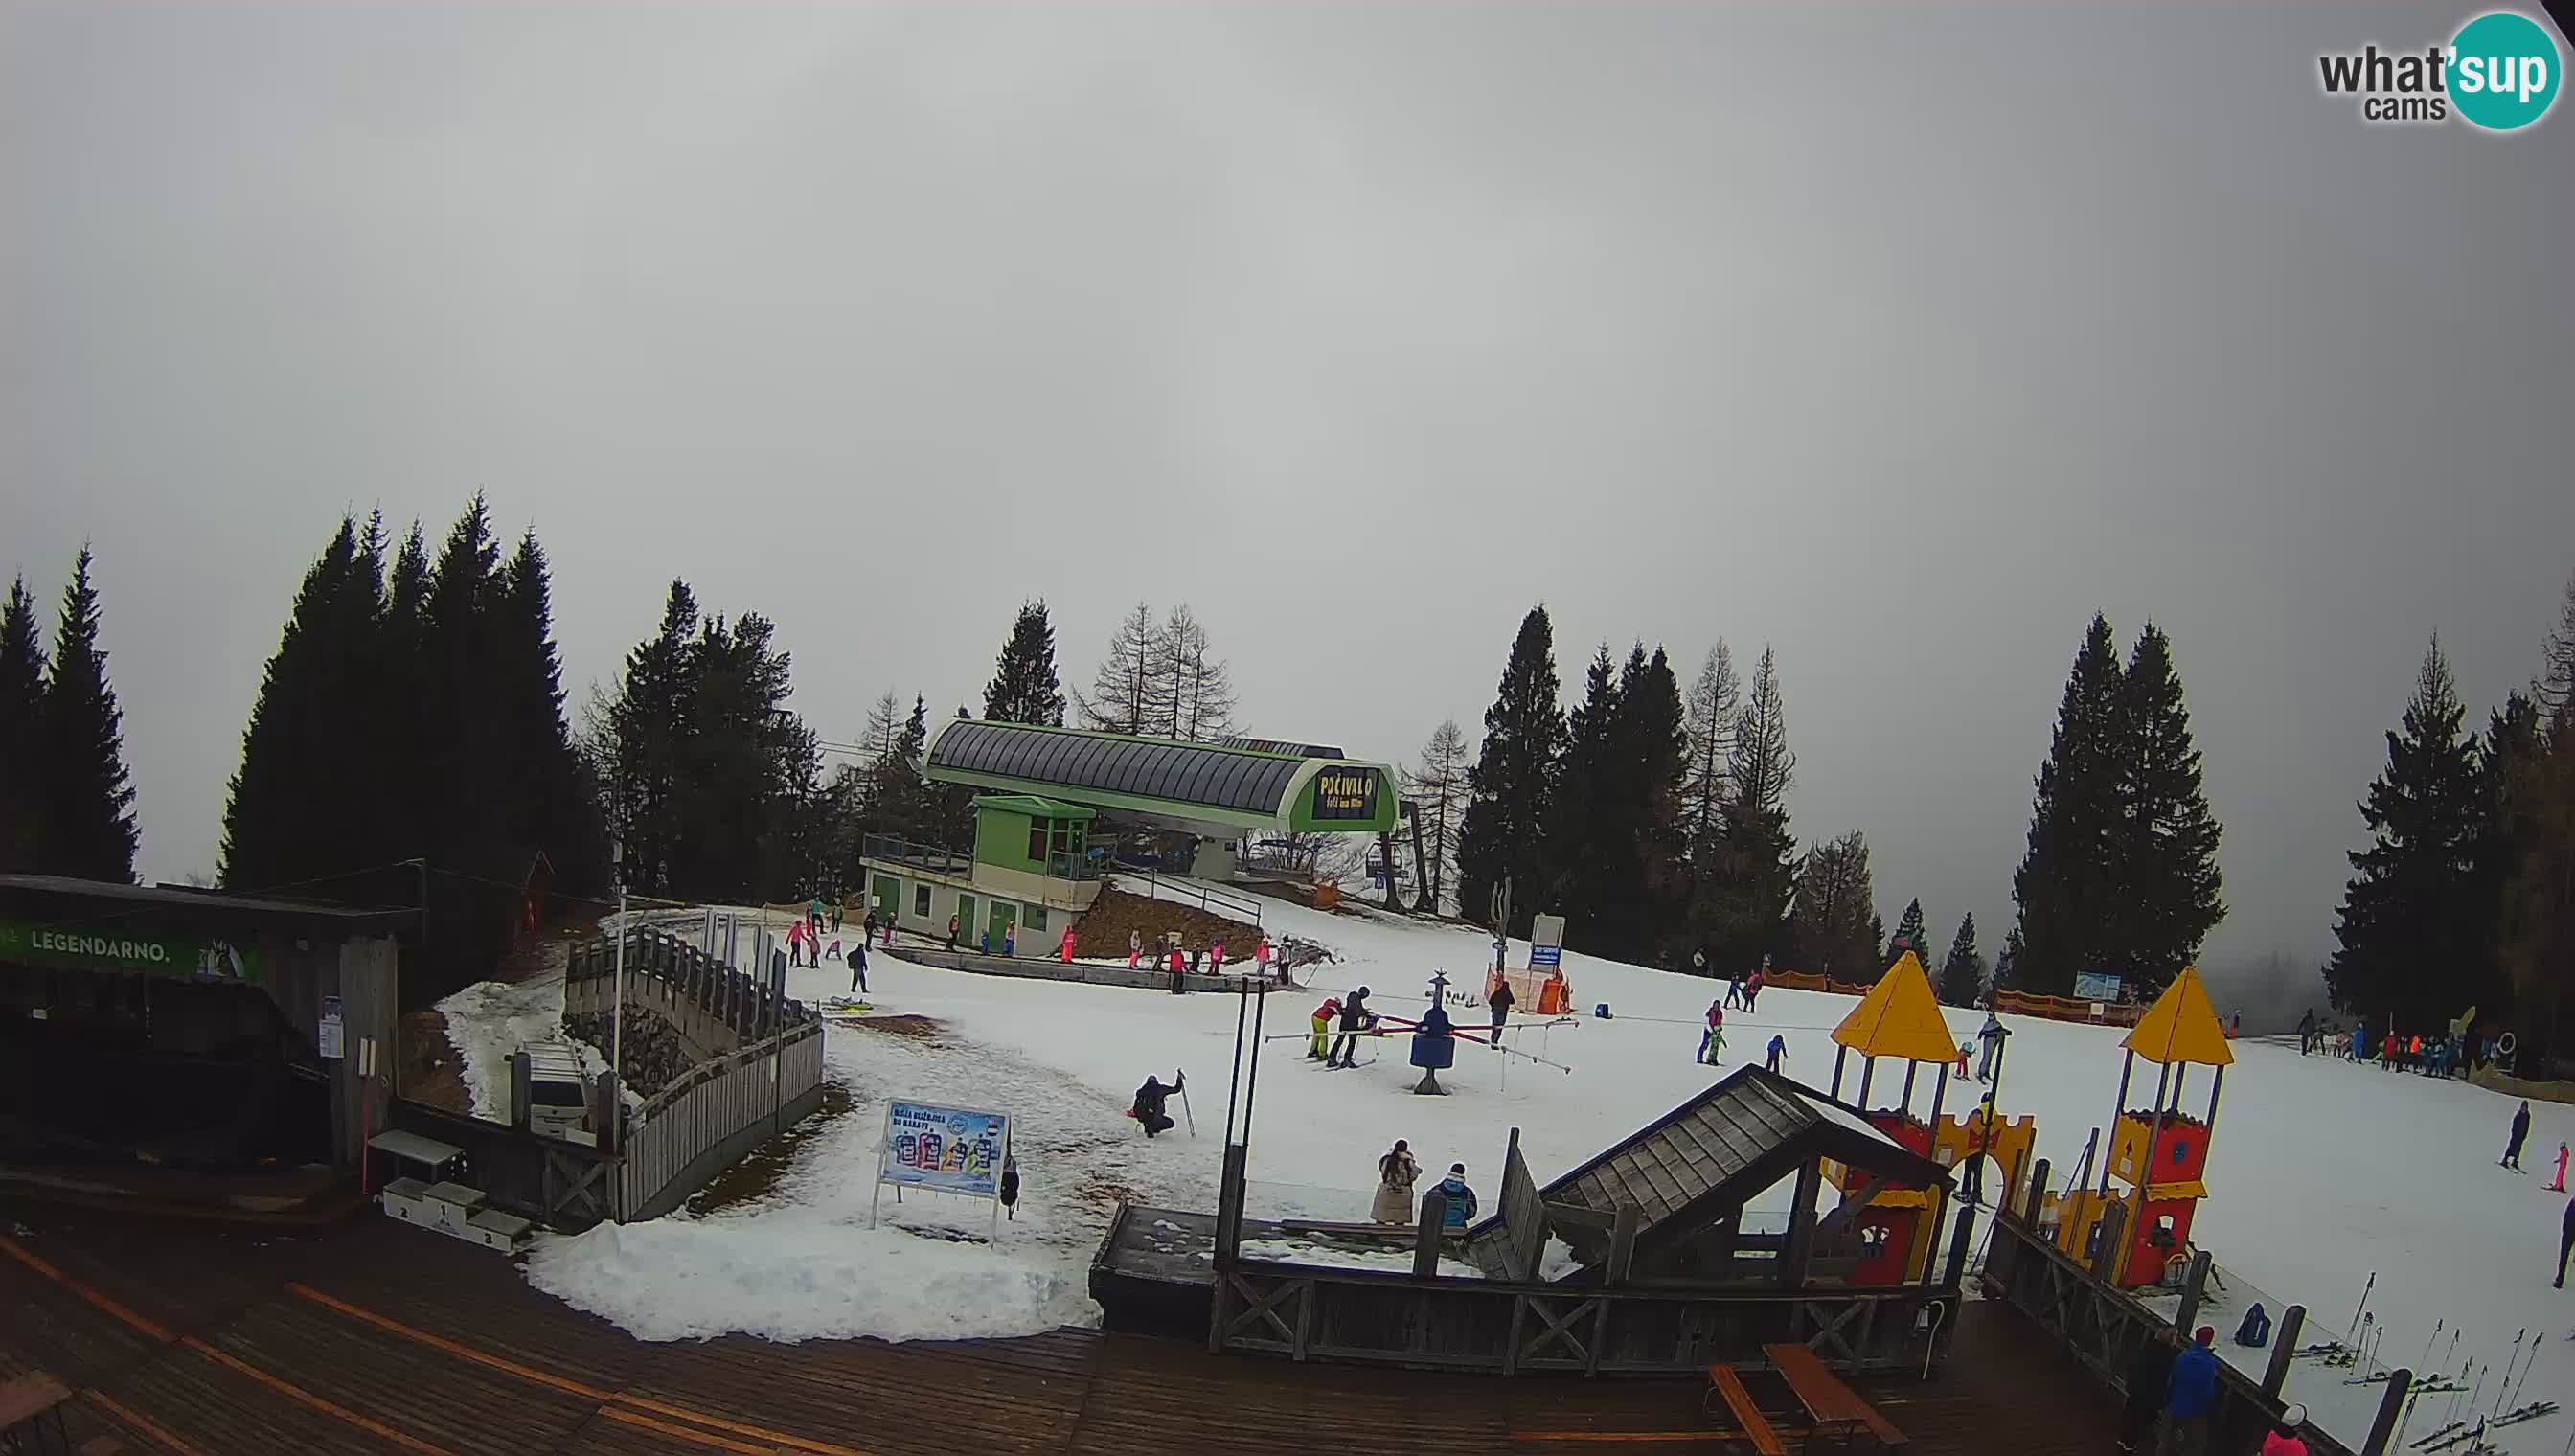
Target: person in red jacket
2286,1439
1712,1044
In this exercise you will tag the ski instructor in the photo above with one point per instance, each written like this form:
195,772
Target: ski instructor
2520,1132
2565,1242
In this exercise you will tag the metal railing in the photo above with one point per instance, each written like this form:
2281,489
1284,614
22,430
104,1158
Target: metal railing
929,858
1192,893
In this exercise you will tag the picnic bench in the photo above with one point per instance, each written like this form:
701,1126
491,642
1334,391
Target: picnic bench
1835,1408
1753,1428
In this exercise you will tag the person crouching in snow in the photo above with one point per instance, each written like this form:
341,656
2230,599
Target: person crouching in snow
1149,1106
1324,1016
1460,1209
1712,1042
1396,1171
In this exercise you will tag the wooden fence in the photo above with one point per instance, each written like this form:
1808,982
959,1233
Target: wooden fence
675,978
720,1109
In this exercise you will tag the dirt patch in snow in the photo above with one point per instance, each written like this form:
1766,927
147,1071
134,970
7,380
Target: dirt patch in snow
756,1175
430,1070
920,1026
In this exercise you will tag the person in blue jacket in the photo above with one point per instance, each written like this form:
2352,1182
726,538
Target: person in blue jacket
1461,1208
2190,1396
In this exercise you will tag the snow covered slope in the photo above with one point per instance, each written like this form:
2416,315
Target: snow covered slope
2321,1171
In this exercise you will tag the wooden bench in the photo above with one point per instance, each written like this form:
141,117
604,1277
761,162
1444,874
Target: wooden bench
1726,1387
1835,1408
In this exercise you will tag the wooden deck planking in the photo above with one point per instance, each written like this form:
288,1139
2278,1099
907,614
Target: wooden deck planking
2004,1387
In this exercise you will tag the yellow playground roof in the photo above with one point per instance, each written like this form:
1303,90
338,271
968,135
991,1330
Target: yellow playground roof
2182,1026
1899,1017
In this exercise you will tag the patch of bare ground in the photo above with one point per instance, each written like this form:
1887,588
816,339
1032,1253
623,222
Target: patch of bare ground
758,1174
924,1028
429,1070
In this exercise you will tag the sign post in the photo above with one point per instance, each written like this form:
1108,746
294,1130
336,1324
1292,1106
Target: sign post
331,1030
944,1150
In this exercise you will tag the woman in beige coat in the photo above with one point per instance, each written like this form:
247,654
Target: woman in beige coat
1396,1174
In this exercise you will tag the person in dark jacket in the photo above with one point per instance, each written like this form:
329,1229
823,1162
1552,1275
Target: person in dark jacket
2149,1374
1011,1188
2190,1396
1500,1004
1148,1106
2520,1131
859,966
2307,1032
1459,1209
1355,1018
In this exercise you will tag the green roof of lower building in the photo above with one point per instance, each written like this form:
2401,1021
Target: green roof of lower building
1036,808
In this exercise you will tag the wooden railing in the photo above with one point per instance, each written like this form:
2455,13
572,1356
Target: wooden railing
2103,1327
667,971
1309,1312
696,1126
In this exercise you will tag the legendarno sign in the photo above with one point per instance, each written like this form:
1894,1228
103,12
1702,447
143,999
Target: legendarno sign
187,957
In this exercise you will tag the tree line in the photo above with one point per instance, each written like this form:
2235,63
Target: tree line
66,800
2462,897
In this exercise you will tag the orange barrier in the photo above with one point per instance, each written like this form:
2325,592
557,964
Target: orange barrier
2067,1009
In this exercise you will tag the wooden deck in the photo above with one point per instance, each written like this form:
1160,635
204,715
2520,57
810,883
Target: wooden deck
219,1340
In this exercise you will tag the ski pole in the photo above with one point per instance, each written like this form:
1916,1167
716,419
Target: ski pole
2352,1331
1181,1079
2510,1360
2530,1359
2424,1362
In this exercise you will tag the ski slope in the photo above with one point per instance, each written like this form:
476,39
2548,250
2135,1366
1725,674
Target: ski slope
2322,1172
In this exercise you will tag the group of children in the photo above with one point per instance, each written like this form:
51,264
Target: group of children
805,947
1397,1170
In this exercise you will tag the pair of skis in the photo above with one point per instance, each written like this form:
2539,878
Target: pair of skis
2516,1379
2531,1412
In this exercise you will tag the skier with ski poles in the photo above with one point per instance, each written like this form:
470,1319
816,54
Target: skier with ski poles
1355,1018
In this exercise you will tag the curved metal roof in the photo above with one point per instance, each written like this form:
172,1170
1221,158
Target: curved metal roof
1238,780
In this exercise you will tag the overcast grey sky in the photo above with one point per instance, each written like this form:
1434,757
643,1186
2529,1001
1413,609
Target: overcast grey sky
1901,340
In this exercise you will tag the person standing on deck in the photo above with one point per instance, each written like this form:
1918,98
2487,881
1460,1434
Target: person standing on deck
1460,1199
1396,1171
2149,1375
2190,1397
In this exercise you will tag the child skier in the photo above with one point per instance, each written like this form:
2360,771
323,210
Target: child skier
1712,1042
796,943
1135,947
2559,1186
1324,1016
1754,983
1778,1053
1965,1051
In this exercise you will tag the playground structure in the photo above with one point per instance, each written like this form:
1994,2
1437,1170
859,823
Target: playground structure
2159,1151
1898,1228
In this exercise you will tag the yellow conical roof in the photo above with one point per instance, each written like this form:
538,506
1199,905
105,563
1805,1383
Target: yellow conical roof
2182,1026
1899,1017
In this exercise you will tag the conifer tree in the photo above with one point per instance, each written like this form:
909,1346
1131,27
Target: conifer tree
1585,841
1023,686
1708,713
1652,749
2411,905
553,806
2006,958
645,758
88,816
1438,790
304,804
22,732
1126,690
2065,886
1962,973
2164,839
1910,935
1513,781
1833,929
1743,901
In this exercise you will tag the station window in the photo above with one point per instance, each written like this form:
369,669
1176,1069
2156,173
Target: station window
1038,829
1033,916
921,902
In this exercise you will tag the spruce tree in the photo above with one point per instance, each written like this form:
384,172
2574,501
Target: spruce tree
1962,973
2164,839
2411,909
304,804
2006,958
1023,686
646,762
2064,887
1587,839
1513,781
1743,901
1911,936
554,806
22,732
1652,751
88,814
